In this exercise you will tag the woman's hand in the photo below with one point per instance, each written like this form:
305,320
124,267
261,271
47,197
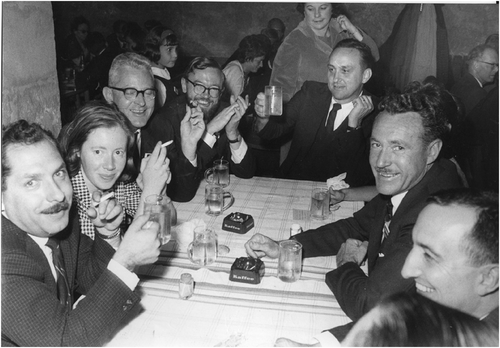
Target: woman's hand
155,171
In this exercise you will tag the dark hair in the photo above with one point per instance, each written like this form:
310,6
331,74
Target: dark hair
151,23
154,40
119,25
481,244
24,133
367,60
92,116
96,42
337,9
75,23
492,41
412,320
202,63
251,47
134,32
427,101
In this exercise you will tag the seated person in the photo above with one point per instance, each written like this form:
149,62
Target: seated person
96,147
45,258
329,124
411,320
248,59
405,144
218,136
160,47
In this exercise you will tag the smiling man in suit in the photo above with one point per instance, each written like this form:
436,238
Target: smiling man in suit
45,258
329,123
405,145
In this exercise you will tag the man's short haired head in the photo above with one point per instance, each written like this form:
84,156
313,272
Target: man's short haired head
483,63
36,189
348,70
277,25
131,70
454,259
407,137
203,83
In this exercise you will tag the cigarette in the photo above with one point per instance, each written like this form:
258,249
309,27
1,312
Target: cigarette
107,196
167,143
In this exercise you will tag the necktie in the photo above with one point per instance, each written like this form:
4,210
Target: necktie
63,290
136,156
387,220
331,117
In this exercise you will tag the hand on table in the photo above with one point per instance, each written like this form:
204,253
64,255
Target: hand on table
352,250
260,245
285,342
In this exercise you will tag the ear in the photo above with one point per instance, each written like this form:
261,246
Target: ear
184,85
433,150
367,74
108,94
488,279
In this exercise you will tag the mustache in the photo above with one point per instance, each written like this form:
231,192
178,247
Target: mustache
56,208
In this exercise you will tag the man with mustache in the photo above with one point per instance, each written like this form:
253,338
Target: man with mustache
45,258
404,157
329,123
218,136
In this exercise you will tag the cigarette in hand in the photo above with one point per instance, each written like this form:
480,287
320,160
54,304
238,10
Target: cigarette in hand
107,196
167,143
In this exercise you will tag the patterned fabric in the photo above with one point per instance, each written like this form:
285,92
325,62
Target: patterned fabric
128,194
387,220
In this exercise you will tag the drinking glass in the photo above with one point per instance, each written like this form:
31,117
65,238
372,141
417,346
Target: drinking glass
158,207
203,250
214,199
290,261
219,173
320,204
273,103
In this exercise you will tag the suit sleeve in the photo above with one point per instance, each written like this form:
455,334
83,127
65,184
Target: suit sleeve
36,318
357,293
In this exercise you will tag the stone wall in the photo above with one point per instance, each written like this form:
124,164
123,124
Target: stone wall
29,77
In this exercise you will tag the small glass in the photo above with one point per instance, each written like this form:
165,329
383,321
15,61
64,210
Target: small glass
203,250
320,204
214,199
186,286
219,173
290,261
273,103
158,207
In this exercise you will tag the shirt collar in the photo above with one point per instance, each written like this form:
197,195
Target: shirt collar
396,201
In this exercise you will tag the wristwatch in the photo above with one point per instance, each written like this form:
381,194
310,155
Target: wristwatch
237,140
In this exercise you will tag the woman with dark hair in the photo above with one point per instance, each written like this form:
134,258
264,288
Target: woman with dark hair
249,56
76,48
160,47
304,53
411,320
97,148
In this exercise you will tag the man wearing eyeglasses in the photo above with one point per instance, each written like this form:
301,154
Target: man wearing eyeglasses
482,67
131,88
218,136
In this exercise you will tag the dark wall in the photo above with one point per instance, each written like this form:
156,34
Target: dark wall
215,28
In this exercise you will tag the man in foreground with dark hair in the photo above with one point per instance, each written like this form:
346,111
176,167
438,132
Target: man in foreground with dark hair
454,260
405,144
45,258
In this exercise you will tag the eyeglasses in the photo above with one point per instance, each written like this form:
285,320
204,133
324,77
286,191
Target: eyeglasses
491,64
214,92
132,93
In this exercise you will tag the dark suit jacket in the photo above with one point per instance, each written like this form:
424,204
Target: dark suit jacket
31,312
345,152
468,90
168,119
356,292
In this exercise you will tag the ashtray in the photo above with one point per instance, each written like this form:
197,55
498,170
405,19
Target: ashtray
238,223
247,270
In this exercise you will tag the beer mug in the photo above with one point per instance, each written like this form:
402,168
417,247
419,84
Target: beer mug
203,250
214,199
273,102
219,173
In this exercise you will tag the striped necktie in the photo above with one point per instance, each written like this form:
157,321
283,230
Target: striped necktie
387,220
63,289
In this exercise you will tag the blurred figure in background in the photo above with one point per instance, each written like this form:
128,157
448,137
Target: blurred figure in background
116,40
161,48
134,38
77,53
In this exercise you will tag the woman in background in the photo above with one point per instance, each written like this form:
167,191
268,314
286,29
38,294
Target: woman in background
160,47
250,55
97,149
304,53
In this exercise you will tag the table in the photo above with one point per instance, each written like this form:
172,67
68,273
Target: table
225,313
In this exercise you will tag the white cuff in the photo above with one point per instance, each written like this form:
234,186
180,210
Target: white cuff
238,154
129,278
327,339
209,139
